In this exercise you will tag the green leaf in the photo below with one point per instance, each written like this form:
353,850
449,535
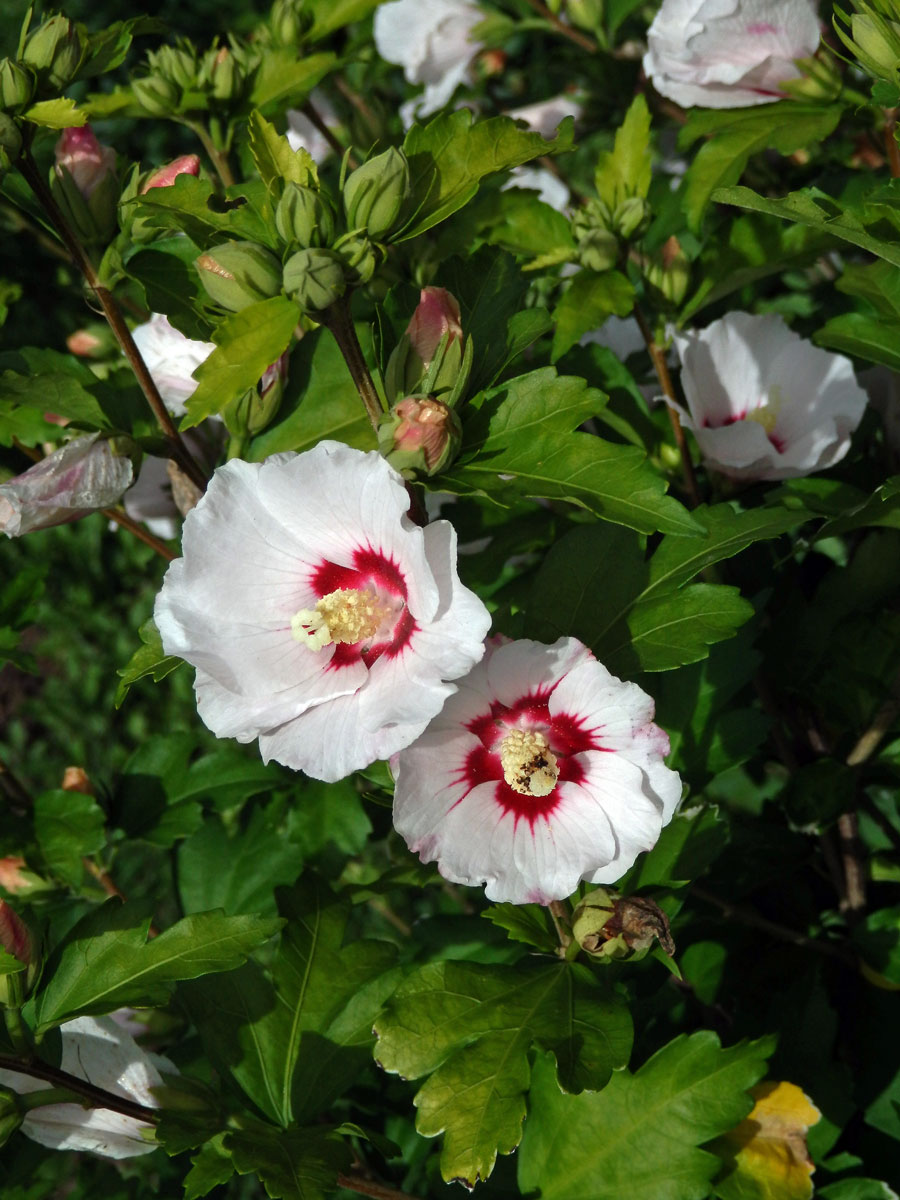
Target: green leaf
246,343
212,1166
276,162
149,659
60,391
469,1027
283,75
524,923
590,298
294,1044
63,113
107,49
321,401
877,282
639,1137
692,840
192,206
874,338
297,1164
68,826
106,962
816,209
877,939
736,134
881,508
166,271
450,156
856,1188
329,15
626,171
677,629
525,429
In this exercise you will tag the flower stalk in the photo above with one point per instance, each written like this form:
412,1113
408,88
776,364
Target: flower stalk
338,320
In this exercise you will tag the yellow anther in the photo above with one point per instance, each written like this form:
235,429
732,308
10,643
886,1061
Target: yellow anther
529,766
347,615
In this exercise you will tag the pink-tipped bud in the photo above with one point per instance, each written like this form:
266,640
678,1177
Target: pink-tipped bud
75,779
11,877
419,434
83,343
187,164
14,936
85,159
437,313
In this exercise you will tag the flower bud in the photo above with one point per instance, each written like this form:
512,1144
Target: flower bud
236,274
11,1115
374,193
54,50
15,937
598,250
303,217
223,74
86,160
608,926
95,341
176,64
156,96
434,324
314,278
16,86
84,184
419,434
10,142
631,217
820,80
187,164
359,256
669,272
17,879
288,22
78,478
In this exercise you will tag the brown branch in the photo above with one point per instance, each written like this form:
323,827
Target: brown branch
314,119
122,518
177,449
574,35
891,145
99,1098
748,916
658,358
371,1187
884,718
338,320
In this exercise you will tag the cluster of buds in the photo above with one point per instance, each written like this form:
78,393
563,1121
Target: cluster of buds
608,926
872,34
599,230
84,185
425,378
180,80
288,23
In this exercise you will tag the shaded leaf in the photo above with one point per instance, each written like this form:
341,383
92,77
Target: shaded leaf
766,1154
149,659
297,1164
68,826
590,298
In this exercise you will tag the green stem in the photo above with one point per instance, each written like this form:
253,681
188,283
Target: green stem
218,158
177,449
12,1019
338,320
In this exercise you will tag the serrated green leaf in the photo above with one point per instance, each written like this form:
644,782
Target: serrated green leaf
191,205
736,134
62,113
469,1027
626,171
590,298
874,338
677,628
149,659
297,1164
321,401
639,1137
450,156
881,508
808,208
276,162
68,826
211,1167
106,962
284,76
247,343
165,269
524,923
524,429
57,392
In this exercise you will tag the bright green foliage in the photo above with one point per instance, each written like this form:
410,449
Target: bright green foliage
274,158
641,1135
470,1027
450,156
246,343
150,659
524,429
626,172
68,826
590,298
106,962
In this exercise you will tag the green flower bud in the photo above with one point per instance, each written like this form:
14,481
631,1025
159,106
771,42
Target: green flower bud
374,193
303,217
10,142
236,274
419,435
288,22
598,250
16,86
155,95
55,50
631,217
359,256
820,81
314,278
586,14
176,64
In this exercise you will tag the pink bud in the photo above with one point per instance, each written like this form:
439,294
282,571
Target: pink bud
437,313
14,936
425,425
79,478
83,343
11,878
187,164
276,373
86,160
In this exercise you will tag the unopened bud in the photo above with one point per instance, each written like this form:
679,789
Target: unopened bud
15,936
10,142
224,73
631,217
157,96
586,14
54,50
16,86
820,80
84,184
87,161
288,21
598,250
237,274
608,926
434,329
176,65
75,779
359,256
876,43
303,217
374,193
314,278
669,271
490,63
11,1114
419,434
17,879
187,164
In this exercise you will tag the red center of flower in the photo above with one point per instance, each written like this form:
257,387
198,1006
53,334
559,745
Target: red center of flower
565,737
371,572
